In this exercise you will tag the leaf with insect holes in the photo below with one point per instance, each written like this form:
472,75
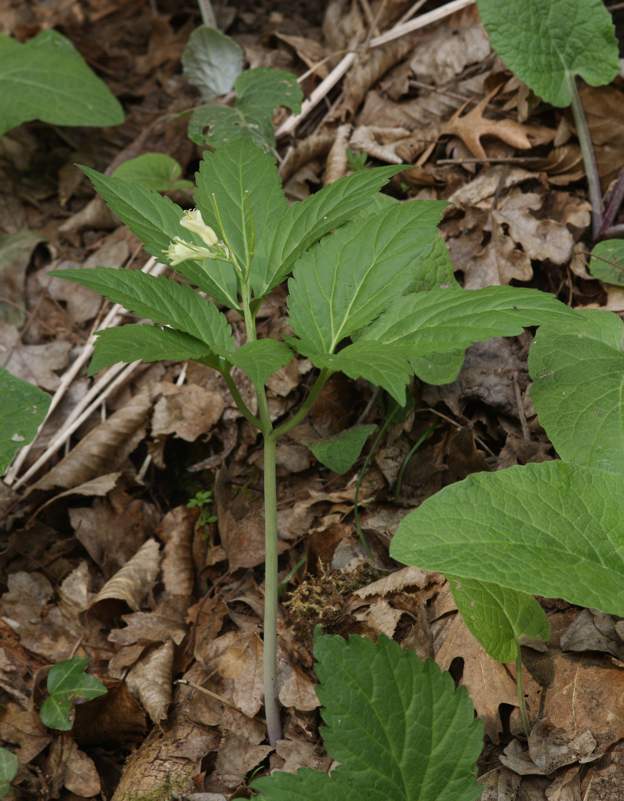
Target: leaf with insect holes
551,529
9,765
212,61
146,343
578,388
24,408
349,278
398,727
156,221
239,194
607,261
155,171
304,223
546,43
260,359
500,618
340,452
47,79
68,684
161,300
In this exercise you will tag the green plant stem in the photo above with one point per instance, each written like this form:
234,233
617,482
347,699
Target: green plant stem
305,407
520,691
589,160
238,400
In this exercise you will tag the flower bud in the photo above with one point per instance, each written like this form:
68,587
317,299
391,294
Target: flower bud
193,221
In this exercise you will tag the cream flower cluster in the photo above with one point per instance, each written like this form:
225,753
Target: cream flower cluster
181,250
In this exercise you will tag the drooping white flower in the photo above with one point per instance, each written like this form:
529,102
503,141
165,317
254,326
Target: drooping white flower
179,251
193,221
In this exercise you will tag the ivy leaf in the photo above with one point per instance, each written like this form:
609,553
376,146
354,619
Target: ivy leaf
550,529
68,684
146,343
607,262
57,713
161,300
498,617
304,223
340,452
546,43
24,408
578,383
239,194
345,281
260,359
155,171
47,79
9,765
212,61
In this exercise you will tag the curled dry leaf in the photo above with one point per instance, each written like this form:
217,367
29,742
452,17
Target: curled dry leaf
235,759
295,688
306,150
23,730
187,411
381,617
150,680
237,658
379,143
164,624
130,585
177,531
336,165
71,768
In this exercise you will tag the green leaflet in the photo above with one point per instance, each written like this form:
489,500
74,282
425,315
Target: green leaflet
261,358
24,408
147,343
240,195
340,452
548,42
607,261
345,281
47,79
212,61
68,684
302,224
156,221
399,728
550,529
161,300
438,368
578,382
9,765
155,171
500,618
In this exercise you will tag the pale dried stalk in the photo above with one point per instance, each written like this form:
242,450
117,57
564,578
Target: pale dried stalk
328,83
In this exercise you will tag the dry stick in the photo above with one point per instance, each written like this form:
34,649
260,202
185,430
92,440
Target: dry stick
328,83
613,201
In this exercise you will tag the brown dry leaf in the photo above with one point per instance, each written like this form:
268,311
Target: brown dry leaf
300,754
402,579
306,150
22,728
379,143
295,688
605,779
237,658
130,585
498,262
563,165
150,681
116,717
104,447
593,631
480,192
236,757
164,624
499,785
381,617
207,616
310,51
241,523
36,364
69,767
455,45
337,164
177,530
187,411
604,108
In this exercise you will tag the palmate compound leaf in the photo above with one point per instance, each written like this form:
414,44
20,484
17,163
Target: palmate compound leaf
577,369
345,281
156,221
47,79
551,529
341,451
261,358
161,300
399,728
548,42
24,408
500,618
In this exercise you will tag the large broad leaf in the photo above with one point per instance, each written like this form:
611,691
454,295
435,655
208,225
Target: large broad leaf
607,261
347,280
398,727
550,529
302,224
156,221
24,408
548,42
500,618
240,195
260,359
156,171
147,343
435,270
578,375
161,300
444,320
341,451
212,61
47,79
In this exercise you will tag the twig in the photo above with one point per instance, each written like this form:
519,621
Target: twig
615,232
411,11
502,160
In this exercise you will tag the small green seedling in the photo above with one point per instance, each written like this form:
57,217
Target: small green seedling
203,500
371,295
68,684
607,262
24,408
9,765
47,79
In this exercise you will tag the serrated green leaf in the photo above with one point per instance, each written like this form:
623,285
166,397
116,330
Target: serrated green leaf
444,320
212,61
47,79
146,343
578,384
239,194
9,765
161,300
340,452
345,281
438,368
155,171
435,269
260,359
15,252
399,728
500,618
550,529
24,408
607,262
261,90
304,223
156,221
547,42
57,713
